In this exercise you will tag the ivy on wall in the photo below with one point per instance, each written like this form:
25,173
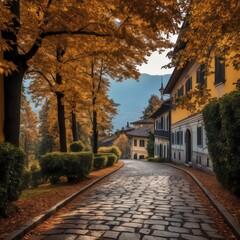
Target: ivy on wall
222,124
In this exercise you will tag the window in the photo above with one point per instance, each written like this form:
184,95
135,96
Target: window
179,156
219,71
199,136
162,123
173,142
142,143
135,142
179,137
200,74
180,91
188,85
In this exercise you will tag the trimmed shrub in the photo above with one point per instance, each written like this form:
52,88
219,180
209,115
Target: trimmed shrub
100,161
113,149
72,165
222,124
76,146
12,161
112,159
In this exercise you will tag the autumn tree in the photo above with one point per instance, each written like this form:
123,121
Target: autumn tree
211,28
124,145
30,22
28,128
153,104
47,130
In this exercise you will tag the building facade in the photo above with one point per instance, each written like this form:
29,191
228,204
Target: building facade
188,138
139,138
161,119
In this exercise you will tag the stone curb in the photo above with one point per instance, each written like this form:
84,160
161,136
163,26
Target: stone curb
220,208
19,233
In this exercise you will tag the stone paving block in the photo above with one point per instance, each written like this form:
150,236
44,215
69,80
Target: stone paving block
113,223
123,229
76,231
81,226
131,224
178,229
98,227
128,236
96,233
156,222
191,225
148,237
165,234
86,238
191,237
145,231
111,234
158,227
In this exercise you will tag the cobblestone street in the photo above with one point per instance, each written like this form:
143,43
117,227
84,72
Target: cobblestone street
142,201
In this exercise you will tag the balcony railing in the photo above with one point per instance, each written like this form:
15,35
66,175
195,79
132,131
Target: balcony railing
161,133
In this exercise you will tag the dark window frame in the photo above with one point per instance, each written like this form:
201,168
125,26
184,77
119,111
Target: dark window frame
219,71
200,136
141,143
188,85
200,75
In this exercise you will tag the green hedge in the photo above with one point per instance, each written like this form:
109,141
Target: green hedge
100,161
113,149
76,146
72,165
12,161
111,158
222,124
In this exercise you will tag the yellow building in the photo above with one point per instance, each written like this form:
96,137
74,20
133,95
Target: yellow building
188,138
1,109
139,138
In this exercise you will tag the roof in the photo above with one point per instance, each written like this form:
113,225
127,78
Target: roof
140,132
143,121
165,106
108,142
175,77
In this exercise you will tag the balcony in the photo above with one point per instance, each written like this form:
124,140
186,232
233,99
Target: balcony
161,133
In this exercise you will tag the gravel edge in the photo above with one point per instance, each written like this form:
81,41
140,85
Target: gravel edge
19,233
220,208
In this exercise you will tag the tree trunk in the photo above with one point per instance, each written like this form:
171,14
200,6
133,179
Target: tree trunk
94,133
13,82
12,105
74,127
61,122
60,106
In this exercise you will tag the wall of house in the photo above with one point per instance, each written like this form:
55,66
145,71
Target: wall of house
137,150
161,147
199,153
218,90
1,109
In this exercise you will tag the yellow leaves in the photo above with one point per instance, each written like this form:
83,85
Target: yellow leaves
6,68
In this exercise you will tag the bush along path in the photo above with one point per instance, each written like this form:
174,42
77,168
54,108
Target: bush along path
35,202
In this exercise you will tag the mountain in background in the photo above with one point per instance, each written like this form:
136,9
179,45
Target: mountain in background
133,96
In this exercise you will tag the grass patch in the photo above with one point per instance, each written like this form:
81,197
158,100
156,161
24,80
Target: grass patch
41,190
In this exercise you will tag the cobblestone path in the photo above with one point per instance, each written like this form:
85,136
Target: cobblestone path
142,201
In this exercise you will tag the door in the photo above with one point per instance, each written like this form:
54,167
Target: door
188,143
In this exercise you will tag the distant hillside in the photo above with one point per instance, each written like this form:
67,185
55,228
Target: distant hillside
133,96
